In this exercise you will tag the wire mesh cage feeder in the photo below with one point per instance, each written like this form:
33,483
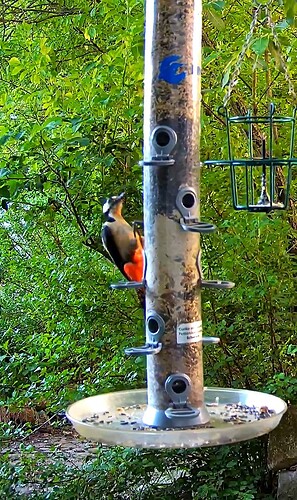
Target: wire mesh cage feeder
176,410
261,175
259,183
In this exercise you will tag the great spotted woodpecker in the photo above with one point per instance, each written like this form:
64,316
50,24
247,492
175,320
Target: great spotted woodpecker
123,243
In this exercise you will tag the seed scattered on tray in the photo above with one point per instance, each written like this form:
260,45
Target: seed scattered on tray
228,414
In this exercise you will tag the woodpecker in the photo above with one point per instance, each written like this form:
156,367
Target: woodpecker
123,243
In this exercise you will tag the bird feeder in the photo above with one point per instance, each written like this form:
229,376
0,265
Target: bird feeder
176,410
259,183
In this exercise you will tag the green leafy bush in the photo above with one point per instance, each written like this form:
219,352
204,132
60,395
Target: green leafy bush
234,472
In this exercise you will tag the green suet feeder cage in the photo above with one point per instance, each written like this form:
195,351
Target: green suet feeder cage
259,183
261,174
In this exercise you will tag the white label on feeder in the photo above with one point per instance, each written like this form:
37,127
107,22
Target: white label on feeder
187,333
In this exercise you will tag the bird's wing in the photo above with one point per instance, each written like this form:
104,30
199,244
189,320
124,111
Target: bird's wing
112,249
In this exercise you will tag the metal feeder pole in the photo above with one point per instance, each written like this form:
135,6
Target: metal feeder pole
171,194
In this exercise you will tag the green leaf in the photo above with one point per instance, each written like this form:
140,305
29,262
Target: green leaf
86,34
82,141
4,191
16,70
290,10
226,77
282,25
260,45
51,123
14,61
14,187
92,32
292,349
20,135
4,172
4,139
215,19
211,57
218,5
90,66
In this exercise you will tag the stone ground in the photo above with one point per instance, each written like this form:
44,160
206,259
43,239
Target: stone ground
64,446
66,443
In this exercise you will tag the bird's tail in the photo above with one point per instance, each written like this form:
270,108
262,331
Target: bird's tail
140,252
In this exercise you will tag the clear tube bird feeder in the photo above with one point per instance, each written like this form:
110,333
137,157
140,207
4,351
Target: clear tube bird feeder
176,410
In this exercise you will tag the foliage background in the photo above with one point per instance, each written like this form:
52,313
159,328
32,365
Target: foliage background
71,89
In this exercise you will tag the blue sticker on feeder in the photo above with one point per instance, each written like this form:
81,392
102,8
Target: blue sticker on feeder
170,70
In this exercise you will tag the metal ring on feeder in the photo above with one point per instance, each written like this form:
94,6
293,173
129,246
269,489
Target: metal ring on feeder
178,387
163,140
186,201
155,325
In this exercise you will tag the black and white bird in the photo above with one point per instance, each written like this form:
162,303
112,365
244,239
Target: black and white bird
123,242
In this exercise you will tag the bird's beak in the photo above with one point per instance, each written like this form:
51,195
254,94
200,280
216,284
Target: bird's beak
121,196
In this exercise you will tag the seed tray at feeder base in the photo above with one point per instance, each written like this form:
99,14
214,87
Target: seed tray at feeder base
235,415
